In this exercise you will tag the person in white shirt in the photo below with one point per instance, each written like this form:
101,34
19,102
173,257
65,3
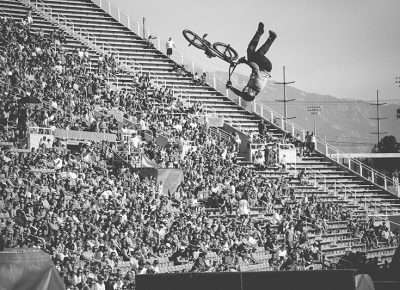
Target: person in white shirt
169,45
99,285
243,208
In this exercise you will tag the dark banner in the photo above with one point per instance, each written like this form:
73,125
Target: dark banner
279,280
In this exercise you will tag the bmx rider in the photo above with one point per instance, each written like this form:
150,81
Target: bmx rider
260,66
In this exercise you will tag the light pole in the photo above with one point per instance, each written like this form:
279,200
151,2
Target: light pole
378,117
315,110
284,101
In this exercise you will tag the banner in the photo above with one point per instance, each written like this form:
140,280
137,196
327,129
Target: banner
147,162
161,140
171,179
28,269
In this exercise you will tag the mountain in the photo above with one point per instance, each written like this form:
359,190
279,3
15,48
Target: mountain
346,123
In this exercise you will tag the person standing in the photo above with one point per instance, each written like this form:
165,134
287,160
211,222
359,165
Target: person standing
170,44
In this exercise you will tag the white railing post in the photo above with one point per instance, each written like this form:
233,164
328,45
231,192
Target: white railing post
293,130
337,155
215,83
240,101
159,42
272,117
119,15
182,59
361,169
254,106
109,7
349,163
326,149
138,29
129,22
385,182
282,123
192,67
355,196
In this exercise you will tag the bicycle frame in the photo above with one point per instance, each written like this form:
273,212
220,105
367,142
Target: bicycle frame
210,49
232,68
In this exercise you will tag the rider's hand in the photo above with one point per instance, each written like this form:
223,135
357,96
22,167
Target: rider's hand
228,84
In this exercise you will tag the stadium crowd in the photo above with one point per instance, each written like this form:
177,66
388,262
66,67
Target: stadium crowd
101,222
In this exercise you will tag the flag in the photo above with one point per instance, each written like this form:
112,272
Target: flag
147,162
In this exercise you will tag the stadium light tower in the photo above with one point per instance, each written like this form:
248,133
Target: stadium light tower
378,118
315,111
284,101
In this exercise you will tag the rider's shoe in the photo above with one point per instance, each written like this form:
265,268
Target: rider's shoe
272,35
260,28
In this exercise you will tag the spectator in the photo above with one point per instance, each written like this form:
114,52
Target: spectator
169,45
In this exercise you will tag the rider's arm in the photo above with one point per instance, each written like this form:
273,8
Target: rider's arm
236,91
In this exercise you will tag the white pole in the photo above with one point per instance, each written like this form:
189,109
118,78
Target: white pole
215,85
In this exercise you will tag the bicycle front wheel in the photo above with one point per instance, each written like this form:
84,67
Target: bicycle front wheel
225,52
194,39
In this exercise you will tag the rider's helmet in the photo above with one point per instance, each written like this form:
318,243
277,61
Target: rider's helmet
248,94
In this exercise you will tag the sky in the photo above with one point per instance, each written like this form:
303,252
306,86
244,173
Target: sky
344,48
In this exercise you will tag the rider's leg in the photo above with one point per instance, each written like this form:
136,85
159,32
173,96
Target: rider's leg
263,62
254,41
265,47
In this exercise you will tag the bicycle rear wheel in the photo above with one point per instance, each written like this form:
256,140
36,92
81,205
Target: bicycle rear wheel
225,52
194,39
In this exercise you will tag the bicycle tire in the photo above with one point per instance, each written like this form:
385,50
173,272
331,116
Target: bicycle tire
225,52
194,39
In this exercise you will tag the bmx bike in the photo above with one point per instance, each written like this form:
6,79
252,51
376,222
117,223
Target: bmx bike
218,49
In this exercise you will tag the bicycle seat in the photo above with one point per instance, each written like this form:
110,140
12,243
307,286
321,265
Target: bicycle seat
205,35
